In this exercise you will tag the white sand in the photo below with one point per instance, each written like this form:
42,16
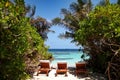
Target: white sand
70,73
59,76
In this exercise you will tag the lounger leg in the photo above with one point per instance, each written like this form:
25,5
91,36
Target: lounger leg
47,73
66,74
37,72
76,73
55,74
86,73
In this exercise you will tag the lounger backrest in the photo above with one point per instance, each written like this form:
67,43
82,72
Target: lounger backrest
45,64
62,65
80,66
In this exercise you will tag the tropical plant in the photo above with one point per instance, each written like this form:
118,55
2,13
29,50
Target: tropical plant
100,36
118,2
20,44
71,17
42,26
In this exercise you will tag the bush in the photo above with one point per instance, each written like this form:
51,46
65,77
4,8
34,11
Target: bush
21,46
100,36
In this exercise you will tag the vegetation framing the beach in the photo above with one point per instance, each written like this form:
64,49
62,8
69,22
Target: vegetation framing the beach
99,33
21,46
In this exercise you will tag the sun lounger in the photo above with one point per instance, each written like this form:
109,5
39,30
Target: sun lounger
44,67
81,68
61,68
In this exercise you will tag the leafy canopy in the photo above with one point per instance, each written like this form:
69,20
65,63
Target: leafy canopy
100,36
19,41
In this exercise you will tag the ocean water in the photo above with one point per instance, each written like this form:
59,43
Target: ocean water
71,56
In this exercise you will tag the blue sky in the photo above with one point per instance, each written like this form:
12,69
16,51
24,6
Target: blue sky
50,9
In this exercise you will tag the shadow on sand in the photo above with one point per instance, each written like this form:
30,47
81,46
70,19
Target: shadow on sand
90,75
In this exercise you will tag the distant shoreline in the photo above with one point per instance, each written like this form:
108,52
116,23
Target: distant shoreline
64,49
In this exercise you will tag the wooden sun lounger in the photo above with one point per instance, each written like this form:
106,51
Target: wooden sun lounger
81,68
62,68
44,67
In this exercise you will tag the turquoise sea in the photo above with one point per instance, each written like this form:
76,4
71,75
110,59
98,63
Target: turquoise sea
71,56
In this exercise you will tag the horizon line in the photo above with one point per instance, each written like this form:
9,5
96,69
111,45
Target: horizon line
65,48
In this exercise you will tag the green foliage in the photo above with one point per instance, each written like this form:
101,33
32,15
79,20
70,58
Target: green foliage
100,35
118,2
20,41
77,11
103,22
42,26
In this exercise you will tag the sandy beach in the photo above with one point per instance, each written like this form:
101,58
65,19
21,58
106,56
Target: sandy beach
71,76
59,76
